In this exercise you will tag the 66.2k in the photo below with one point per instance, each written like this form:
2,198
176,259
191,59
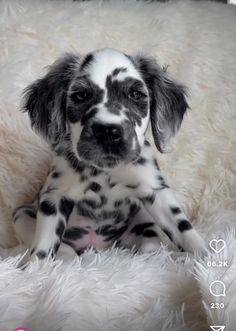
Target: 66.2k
219,264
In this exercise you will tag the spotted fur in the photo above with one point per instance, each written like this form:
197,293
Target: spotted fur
105,183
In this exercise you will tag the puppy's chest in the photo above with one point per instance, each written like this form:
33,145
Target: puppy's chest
101,214
103,203
105,197
101,200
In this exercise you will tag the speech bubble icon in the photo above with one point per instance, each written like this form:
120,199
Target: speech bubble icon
217,288
217,245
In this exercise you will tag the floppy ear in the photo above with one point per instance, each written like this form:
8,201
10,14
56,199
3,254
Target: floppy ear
167,100
45,99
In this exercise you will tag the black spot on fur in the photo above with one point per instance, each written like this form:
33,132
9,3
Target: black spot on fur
141,160
110,232
134,208
56,174
120,217
47,208
108,214
161,180
83,211
156,164
60,228
119,232
175,210
147,143
56,247
89,202
41,255
184,225
103,200
149,233
66,206
83,178
94,204
118,70
94,171
150,198
139,228
132,186
115,93
167,232
95,187
118,203
74,233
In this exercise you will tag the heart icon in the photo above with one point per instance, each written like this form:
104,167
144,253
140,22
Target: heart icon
217,245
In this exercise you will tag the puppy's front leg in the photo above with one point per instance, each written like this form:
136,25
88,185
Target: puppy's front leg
167,212
52,215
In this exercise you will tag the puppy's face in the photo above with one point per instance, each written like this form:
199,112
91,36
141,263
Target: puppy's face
107,109
98,106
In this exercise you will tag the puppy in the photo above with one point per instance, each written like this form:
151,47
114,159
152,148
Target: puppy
105,185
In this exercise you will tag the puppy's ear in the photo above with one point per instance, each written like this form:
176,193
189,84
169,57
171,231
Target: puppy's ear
167,100
45,99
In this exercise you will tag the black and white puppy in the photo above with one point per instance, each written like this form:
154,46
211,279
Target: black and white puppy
105,184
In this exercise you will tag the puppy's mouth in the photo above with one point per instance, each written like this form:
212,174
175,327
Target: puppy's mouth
108,161
94,155
108,146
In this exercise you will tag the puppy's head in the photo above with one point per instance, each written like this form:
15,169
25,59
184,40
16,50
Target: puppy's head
100,105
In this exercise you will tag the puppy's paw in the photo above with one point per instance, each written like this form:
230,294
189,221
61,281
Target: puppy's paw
66,252
194,243
149,245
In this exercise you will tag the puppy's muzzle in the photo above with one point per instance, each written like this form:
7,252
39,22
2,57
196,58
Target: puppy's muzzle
107,134
107,144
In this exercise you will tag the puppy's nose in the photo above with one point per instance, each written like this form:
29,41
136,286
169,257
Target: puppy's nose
107,133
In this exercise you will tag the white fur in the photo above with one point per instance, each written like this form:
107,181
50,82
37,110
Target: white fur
106,61
130,293
105,116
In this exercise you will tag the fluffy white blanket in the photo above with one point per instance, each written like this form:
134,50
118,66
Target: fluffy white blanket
117,290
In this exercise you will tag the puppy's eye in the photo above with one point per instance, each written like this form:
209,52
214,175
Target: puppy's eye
81,96
135,95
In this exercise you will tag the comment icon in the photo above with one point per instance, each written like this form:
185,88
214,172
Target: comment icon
217,288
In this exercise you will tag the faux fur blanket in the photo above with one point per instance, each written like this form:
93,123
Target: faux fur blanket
118,290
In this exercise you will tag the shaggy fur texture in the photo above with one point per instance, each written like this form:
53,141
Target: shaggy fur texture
115,290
